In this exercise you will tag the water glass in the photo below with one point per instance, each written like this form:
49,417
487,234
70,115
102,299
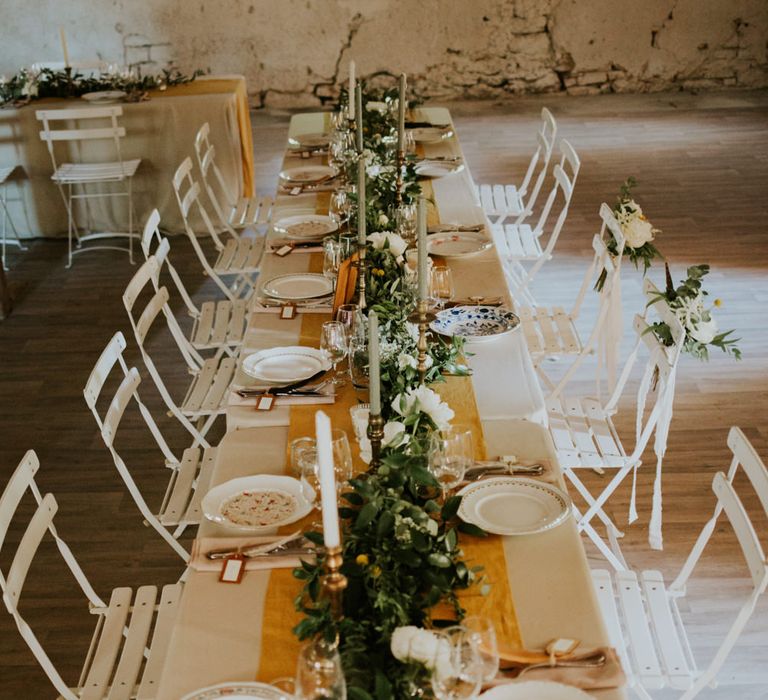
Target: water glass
338,207
440,286
319,673
303,454
331,258
350,316
482,632
358,367
348,243
458,672
405,221
450,453
304,459
333,342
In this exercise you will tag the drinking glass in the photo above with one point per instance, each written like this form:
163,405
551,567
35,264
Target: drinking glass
334,343
483,634
304,465
331,258
338,207
348,242
410,142
405,221
450,453
458,672
350,316
304,459
319,673
358,367
342,458
440,285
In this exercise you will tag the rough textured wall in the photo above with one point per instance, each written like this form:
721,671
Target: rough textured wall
292,51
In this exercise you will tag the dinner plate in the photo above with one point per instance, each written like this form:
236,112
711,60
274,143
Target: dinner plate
285,365
435,168
475,323
513,506
457,244
307,174
104,97
238,691
313,140
290,492
306,226
535,690
299,285
431,134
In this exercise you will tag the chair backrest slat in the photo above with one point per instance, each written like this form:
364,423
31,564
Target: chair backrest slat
112,354
106,132
119,403
17,486
751,463
742,527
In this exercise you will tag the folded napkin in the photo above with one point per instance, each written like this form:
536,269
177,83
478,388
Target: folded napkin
608,675
327,395
199,562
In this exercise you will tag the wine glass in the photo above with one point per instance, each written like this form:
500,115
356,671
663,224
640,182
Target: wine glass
304,465
342,458
483,634
319,673
350,316
450,453
440,285
348,242
334,343
331,258
358,366
458,671
405,222
338,207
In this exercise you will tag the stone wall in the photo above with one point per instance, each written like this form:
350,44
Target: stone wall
293,51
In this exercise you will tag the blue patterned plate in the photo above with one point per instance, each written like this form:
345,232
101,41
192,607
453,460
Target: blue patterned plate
475,323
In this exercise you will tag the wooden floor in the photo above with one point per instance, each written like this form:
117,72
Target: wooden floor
702,165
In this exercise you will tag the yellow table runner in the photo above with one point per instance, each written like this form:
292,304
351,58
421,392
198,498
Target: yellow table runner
279,614
217,86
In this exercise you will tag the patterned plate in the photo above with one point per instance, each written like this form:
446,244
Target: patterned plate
513,506
431,134
475,323
314,140
238,691
457,244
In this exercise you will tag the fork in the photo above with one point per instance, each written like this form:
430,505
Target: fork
594,661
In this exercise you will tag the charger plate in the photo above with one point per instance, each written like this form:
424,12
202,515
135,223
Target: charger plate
284,365
435,169
535,690
457,244
314,140
307,174
431,134
305,226
238,691
513,506
300,285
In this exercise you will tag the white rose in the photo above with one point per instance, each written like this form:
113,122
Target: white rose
395,244
404,360
704,331
394,434
430,403
637,232
383,219
400,644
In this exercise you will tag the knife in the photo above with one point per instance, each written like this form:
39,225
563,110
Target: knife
452,228
286,387
255,548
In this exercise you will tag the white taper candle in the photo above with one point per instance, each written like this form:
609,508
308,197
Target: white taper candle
422,248
374,371
64,49
327,480
351,91
361,232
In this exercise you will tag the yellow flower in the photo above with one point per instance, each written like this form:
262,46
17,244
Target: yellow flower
361,560
375,571
718,302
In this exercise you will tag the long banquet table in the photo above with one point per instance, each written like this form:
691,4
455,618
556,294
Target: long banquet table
161,131
227,632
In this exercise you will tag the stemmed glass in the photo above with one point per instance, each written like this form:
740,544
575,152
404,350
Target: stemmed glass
350,316
319,673
449,454
405,221
358,366
440,286
331,259
304,459
338,207
333,342
482,632
458,671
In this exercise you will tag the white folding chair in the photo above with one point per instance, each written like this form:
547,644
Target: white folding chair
231,212
239,256
207,394
643,615
551,331
520,244
584,435
217,325
5,173
502,202
130,641
78,178
190,476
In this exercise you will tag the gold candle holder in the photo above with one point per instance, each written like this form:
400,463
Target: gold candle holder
399,180
375,435
334,582
361,268
422,317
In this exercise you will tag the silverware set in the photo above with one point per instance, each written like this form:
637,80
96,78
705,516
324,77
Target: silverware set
490,468
314,390
295,546
456,228
595,660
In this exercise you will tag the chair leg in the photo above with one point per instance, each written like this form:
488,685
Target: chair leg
130,220
69,227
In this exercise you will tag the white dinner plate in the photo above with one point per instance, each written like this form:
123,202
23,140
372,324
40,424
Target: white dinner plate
285,365
299,285
431,134
435,168
513,506
238,691
313,140
535,690
475,323
295,494
307,174
104,97
457,244
306,226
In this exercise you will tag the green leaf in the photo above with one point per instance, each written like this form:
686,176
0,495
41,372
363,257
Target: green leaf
365,516
356,693
383,687
451,507
386,524
470,529
423,477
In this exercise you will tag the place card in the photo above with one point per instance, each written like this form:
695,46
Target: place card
284,250
232,569
294,191
265,402
287,312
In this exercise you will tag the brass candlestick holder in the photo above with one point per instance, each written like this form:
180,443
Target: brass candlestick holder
334,582
399,180
361,267
376,436
422,317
